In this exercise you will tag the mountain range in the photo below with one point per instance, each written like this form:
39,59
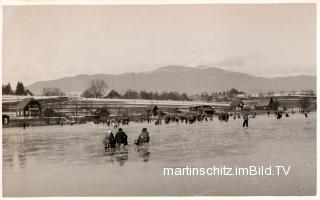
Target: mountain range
182,79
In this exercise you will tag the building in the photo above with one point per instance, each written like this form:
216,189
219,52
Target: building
241,95
237,105
5,119
267,103
203,109
249,104
28,107
112,95
102,114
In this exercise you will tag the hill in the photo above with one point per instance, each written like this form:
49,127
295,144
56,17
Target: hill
182,79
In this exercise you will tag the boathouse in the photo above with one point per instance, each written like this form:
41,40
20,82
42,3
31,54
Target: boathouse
101,114
237,105
202,109
28,107
267,103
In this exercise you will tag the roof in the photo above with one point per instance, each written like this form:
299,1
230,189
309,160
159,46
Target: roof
208,109
112,94
250,103
102,111
201,106
25,102
264,102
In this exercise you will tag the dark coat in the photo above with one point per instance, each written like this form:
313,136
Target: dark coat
143,137
121,138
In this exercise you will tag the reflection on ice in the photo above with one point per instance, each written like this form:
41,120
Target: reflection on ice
72,160
143,151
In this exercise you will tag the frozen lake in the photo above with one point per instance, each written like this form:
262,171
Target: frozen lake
72,161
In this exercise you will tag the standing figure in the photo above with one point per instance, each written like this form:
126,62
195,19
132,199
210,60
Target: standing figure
245,120
121,138
279,115
109,141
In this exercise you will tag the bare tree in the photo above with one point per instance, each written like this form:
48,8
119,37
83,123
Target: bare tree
74,108
88,107
75,112
97,88
52,92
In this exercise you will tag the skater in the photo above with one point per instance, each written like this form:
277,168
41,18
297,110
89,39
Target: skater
245,120
109,140
121,138
143,138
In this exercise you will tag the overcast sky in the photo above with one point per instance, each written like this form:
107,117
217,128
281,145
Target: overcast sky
50,42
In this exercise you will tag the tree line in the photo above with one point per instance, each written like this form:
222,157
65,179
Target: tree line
20,90
98,88
132,94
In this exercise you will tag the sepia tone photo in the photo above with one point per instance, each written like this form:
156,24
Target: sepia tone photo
159,100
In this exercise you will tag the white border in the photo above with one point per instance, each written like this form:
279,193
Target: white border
157,2
148,2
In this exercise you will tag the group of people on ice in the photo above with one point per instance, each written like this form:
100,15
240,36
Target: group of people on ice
121,139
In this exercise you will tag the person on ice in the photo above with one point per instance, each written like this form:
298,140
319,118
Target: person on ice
279,115
121,138
245,120
143,137
109,141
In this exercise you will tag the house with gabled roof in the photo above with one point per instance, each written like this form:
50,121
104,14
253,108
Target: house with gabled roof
28,107
237,104
266,103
